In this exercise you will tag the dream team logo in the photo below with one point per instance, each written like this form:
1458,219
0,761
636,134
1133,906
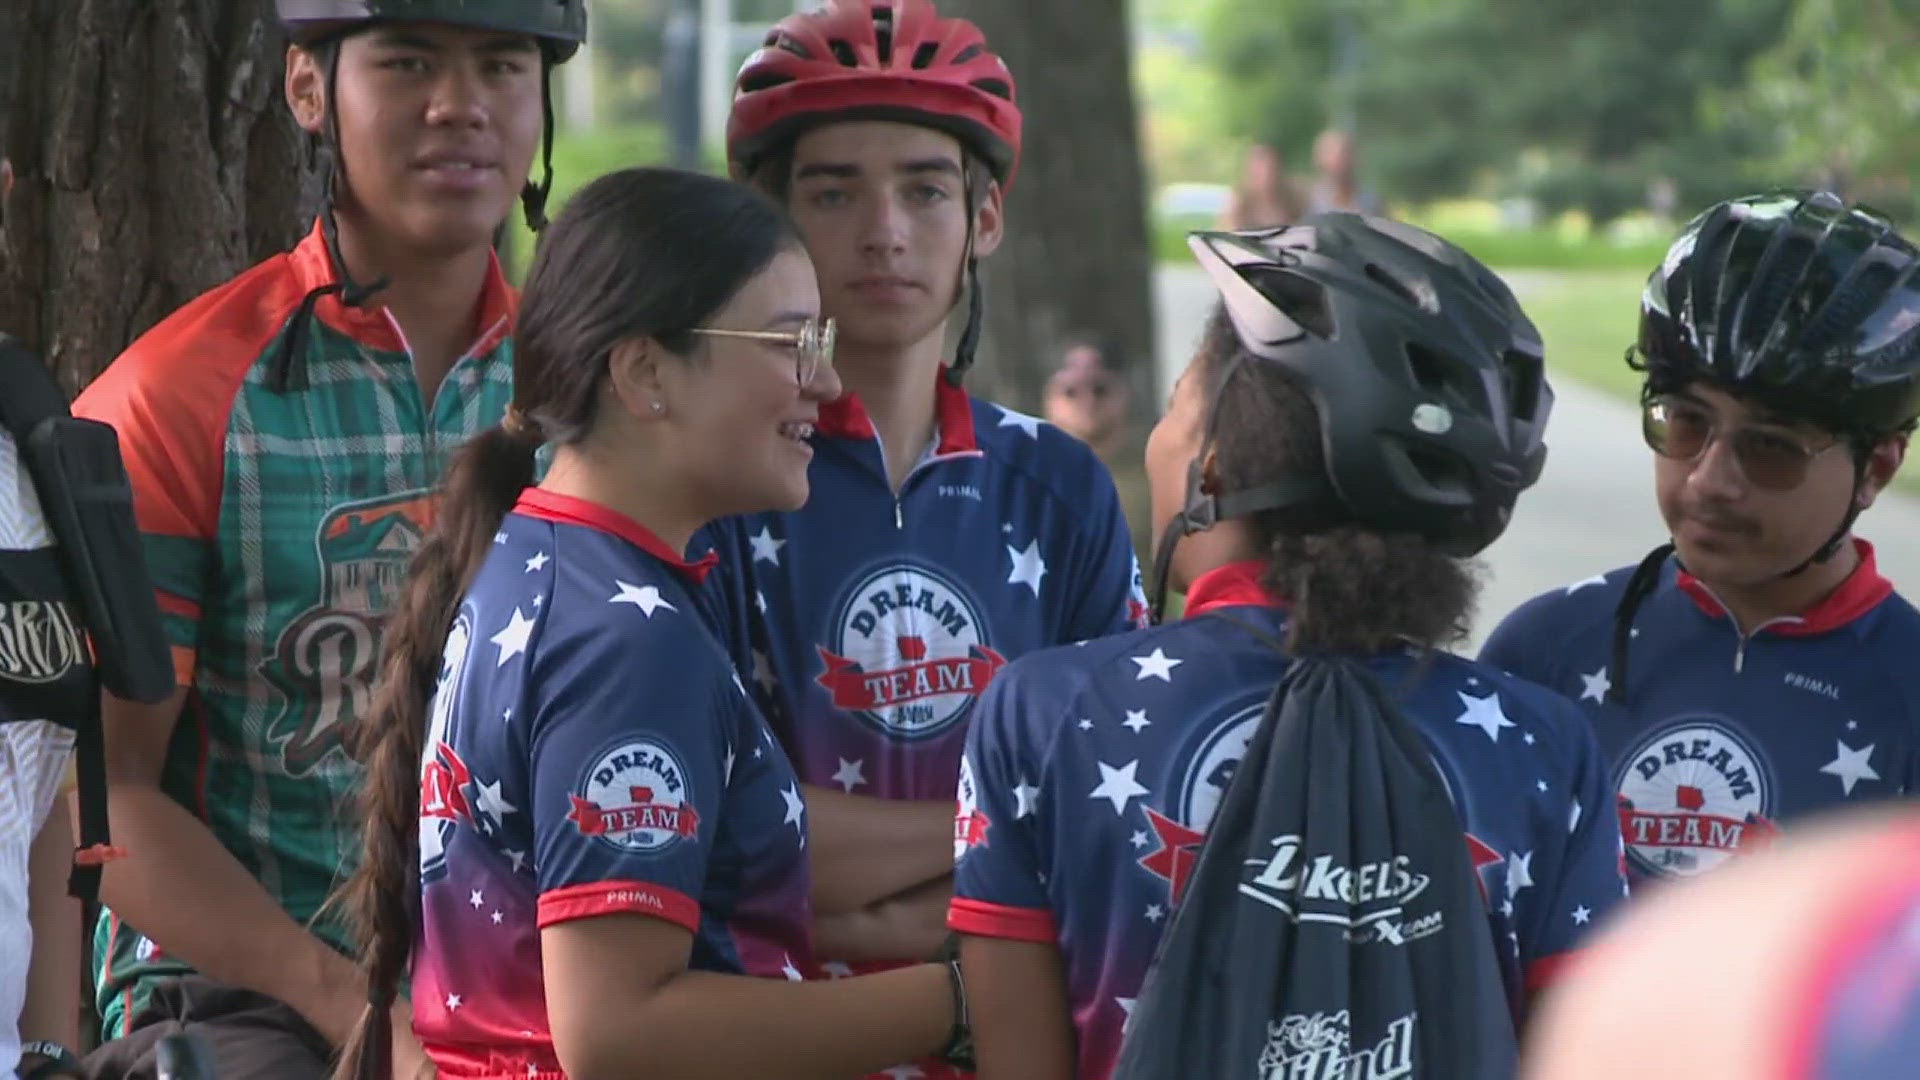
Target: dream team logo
1692,795
1197,798
909,653
635,798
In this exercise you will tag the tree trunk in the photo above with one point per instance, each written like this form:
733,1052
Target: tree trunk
153,159
1077,261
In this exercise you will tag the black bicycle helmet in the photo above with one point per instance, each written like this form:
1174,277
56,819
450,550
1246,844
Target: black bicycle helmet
1797,300
560,25
1427,377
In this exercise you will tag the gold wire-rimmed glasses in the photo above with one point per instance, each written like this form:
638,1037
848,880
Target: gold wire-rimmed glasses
812,344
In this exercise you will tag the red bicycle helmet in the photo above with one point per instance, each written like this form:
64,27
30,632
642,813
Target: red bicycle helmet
875,60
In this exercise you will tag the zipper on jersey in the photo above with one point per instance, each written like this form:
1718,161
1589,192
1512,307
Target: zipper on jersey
1744,638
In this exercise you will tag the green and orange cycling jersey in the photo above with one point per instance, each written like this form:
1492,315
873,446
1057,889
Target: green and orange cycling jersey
278,528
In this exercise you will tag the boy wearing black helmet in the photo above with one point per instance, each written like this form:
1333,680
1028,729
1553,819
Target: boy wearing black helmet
284,434
1757,667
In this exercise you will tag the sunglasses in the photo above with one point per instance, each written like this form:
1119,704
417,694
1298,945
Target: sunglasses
1772,458
812,344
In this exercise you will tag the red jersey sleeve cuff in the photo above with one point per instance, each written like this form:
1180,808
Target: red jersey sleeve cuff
596,898
983,919
1547,970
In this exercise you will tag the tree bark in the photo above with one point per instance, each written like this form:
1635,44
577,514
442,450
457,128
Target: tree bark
152,159
1077,260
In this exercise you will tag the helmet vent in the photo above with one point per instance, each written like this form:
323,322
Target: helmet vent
1392,284
923,56
883,33
997,87
762,81
963,55
1298,298
1430,371
1843,313
779,40
1522,374
843,52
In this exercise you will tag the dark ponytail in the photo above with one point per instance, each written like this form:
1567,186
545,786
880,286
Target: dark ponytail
639,253
1348,589
382,898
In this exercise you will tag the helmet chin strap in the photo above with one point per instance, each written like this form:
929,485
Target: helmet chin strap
1317,504
969,281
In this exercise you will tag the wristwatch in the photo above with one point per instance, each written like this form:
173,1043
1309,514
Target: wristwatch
56,1060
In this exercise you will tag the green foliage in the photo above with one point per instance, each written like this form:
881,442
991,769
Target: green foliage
1573,104
1838,99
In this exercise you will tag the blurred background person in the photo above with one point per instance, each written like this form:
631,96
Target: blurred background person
1337,185
1265,196
1089,399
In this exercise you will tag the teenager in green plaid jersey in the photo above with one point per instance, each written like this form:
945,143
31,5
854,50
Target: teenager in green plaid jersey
284,434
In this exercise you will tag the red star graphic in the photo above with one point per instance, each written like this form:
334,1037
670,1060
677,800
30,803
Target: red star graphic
443,788
1179,850
1482,855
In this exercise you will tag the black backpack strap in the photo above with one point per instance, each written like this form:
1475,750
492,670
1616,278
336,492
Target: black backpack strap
84,492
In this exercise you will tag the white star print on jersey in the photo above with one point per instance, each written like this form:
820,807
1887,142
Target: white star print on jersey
539,560
1118,786
766,547
1484,713
1157,665
1582,915
851,775
1850,765
1595,686
1519,871
491,804
512,639
1025,798
795,807
645,597
476,899
1011,419
1028,566
1137,718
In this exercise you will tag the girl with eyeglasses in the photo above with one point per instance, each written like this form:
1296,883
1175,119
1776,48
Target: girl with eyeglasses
585,851
1757,667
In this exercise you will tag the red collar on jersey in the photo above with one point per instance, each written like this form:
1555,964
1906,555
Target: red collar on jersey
846,418
567,510
1860,593
1234,584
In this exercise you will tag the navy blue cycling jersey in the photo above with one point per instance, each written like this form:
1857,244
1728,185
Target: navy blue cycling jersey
1723,736
1091,774
590,751
874,620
